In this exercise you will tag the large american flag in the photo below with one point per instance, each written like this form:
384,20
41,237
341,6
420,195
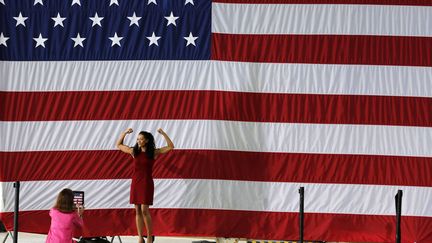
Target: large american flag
260,97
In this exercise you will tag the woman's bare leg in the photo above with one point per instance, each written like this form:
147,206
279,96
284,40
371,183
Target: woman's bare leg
139,222
148,222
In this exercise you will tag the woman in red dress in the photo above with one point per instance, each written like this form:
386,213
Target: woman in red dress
144,154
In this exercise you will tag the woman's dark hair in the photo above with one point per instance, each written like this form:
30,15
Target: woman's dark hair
65,201
150,146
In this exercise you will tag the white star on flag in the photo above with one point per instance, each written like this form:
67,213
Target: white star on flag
3,39
2,2
114,2
171,19
153,39
38,1
190,39
134,19
96,20
76,2
189,1
58,20
152,1
40,41
20,20
115,40
78,40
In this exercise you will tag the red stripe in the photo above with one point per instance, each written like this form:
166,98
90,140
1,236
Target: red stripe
217,105
229,165
241,224
325,49
370,2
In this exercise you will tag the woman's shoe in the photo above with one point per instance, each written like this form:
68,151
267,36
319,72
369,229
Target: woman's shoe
153,238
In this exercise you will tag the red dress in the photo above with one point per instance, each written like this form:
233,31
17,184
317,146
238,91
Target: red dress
142,187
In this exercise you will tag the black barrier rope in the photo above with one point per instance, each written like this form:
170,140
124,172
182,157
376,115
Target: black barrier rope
398,201
301,227
17,189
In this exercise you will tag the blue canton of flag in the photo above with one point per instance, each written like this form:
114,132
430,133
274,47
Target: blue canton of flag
105,29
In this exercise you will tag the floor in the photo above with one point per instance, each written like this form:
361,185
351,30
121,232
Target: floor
37,238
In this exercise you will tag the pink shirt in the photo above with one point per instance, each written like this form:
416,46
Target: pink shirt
63,226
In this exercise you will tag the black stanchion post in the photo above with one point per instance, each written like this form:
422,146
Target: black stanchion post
17,189
301,226
398,200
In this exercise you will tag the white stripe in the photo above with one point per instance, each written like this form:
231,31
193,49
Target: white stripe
231,195
216,75
338,19
222,135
